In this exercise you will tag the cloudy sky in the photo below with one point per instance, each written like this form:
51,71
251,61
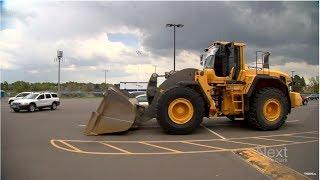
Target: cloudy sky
130,38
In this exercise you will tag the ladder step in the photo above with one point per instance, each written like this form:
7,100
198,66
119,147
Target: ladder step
238,101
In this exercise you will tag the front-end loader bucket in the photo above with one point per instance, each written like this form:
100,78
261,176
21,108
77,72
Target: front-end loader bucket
116,113
119,111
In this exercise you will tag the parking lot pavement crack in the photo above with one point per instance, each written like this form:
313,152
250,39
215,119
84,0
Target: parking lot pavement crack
268,166
262,163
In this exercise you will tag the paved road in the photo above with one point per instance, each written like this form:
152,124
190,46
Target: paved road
51,145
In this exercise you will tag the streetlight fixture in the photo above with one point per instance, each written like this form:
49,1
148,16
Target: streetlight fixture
59,58
105,76
174,41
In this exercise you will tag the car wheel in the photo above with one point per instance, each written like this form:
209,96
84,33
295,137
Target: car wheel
32,108
16,110
54,106
305,102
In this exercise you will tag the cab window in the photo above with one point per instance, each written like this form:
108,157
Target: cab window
48,96
41,96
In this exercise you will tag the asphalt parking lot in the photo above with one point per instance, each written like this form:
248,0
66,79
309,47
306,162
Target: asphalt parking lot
51,145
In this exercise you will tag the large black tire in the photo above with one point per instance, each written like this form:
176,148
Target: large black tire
168,125
16,110
255,115
231,117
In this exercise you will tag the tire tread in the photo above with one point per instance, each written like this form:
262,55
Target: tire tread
252,118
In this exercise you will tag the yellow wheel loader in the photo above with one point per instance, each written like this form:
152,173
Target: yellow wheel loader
225,87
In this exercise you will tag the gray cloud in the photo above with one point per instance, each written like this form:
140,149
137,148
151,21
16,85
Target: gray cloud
261,24
288,29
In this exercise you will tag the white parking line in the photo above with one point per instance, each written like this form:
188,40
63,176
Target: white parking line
293,121
213,132
81,125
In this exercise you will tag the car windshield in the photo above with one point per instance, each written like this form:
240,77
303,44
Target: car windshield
210,57
31,96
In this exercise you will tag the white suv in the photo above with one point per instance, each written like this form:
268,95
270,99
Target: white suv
18,96
37,100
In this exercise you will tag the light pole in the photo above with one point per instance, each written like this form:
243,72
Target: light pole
59,58
105,77
174,41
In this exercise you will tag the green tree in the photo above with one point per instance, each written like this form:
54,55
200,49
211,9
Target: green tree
298,84
313,85
5,86
20,86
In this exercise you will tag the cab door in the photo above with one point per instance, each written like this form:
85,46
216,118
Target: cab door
40,100
48,100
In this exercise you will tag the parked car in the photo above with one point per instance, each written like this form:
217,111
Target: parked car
142,100
304,100
18,96
313,97
37,100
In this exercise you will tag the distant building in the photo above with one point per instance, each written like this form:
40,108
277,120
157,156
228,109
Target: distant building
134,86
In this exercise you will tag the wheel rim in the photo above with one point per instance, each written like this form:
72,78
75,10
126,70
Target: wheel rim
54,106
180,111
31,108
272,109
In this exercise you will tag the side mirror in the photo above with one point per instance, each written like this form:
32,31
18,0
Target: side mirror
201,59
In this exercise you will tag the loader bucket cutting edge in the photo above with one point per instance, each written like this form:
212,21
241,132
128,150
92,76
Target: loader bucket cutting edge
116,113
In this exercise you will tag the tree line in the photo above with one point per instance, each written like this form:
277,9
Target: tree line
67,89
298,85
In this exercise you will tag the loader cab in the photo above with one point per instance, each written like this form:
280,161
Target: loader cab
225,58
